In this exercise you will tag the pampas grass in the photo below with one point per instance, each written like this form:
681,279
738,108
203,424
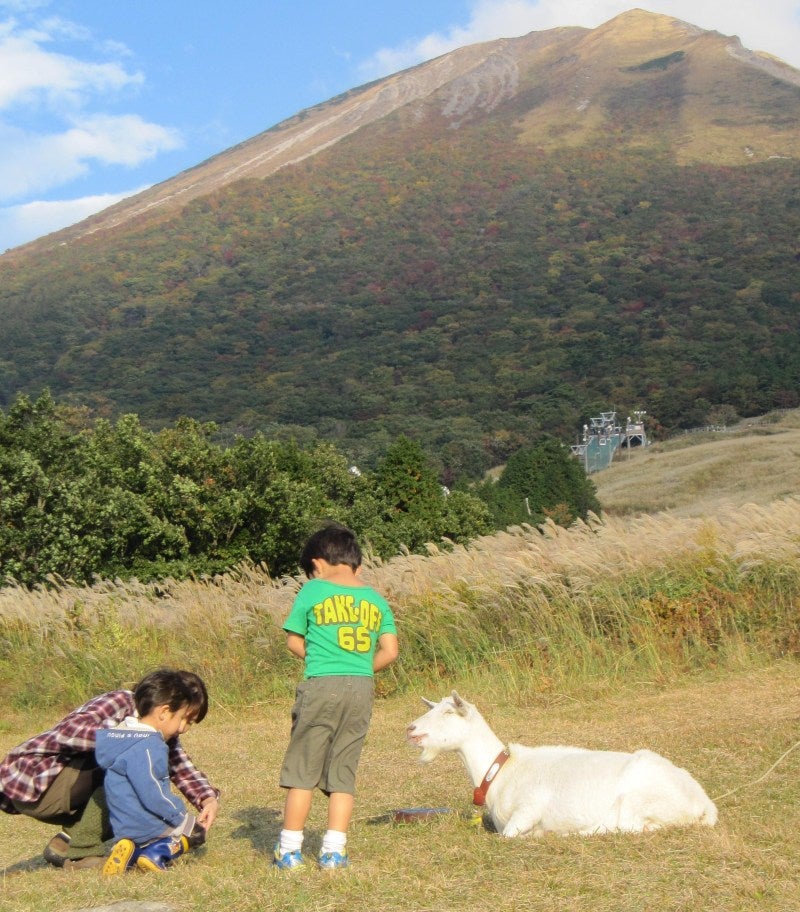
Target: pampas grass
551,608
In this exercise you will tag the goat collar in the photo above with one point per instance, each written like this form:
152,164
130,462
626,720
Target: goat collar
479,795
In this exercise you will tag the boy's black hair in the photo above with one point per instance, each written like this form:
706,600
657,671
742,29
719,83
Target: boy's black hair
199,701
333,543
166,687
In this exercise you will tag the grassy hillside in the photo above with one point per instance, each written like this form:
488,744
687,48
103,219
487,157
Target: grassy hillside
729,733
677,631
648,596
753,462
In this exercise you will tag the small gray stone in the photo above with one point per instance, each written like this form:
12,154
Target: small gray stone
132,905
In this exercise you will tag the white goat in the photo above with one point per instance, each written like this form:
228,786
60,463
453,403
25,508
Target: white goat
540,790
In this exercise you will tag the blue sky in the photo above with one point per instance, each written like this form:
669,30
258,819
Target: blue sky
102,98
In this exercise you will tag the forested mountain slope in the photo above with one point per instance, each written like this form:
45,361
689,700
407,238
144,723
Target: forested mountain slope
494,244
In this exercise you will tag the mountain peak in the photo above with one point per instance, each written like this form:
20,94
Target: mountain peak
644,22
577,84
639,28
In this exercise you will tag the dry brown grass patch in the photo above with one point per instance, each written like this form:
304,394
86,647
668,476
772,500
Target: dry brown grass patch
727,731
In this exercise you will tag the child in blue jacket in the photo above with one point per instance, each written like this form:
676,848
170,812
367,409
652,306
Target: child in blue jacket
150,823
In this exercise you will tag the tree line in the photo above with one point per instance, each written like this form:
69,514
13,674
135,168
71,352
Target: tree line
106,499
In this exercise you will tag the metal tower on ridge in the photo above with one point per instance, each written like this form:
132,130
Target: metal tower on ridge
602,437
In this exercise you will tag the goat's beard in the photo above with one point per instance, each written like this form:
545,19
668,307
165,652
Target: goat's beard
428,754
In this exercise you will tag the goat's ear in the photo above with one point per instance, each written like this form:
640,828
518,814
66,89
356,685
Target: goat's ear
460,705
429,703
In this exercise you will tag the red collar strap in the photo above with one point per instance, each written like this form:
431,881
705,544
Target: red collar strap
479,795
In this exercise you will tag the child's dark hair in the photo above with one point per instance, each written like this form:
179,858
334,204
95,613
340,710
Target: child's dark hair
333,543
199,701
175,689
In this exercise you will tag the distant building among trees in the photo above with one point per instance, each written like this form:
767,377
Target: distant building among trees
602,437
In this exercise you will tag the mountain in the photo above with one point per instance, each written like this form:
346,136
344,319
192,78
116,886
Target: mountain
580,77
497,243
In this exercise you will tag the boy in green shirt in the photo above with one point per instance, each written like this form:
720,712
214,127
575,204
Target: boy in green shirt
345,632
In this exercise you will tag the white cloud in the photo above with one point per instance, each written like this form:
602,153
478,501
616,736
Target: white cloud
55,124
126,140
26,222
34,163
773,27
31,74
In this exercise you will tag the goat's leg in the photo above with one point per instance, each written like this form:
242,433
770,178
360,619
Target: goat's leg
518,824
630,813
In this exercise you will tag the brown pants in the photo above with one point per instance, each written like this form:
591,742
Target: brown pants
64,801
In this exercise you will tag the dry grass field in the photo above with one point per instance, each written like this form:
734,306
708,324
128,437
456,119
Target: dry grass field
756,461
728,732
672,624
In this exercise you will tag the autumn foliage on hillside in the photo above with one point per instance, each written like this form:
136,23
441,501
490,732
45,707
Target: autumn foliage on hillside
470,297
471,271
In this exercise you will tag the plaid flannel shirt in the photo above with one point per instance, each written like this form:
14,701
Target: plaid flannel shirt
29,769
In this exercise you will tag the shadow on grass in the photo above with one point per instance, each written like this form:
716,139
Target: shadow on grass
260,825
37,863
425,815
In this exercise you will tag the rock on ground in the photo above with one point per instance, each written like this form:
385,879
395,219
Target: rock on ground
131,905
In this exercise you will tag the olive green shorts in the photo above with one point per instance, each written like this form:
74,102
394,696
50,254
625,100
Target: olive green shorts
330,720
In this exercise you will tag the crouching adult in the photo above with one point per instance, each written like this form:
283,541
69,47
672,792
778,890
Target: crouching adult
54,777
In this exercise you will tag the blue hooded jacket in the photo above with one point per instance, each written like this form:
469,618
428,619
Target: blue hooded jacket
141,804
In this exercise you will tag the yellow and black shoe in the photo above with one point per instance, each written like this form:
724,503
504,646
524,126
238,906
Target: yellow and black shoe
120,858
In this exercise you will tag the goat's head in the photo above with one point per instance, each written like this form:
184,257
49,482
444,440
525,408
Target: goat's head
443,728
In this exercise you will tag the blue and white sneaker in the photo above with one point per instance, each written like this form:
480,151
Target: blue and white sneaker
333,860
289,861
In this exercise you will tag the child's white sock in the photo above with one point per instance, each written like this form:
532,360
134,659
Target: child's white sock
291,841
333,841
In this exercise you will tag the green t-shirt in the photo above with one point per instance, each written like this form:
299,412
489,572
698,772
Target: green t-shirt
341,626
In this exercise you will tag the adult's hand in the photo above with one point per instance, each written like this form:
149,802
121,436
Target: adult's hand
208,812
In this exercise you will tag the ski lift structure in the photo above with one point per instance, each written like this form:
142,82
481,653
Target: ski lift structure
604,436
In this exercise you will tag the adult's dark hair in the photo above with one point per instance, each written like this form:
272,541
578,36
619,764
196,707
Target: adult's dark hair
333,543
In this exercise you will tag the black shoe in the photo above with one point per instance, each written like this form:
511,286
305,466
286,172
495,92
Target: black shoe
197,837
55,852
